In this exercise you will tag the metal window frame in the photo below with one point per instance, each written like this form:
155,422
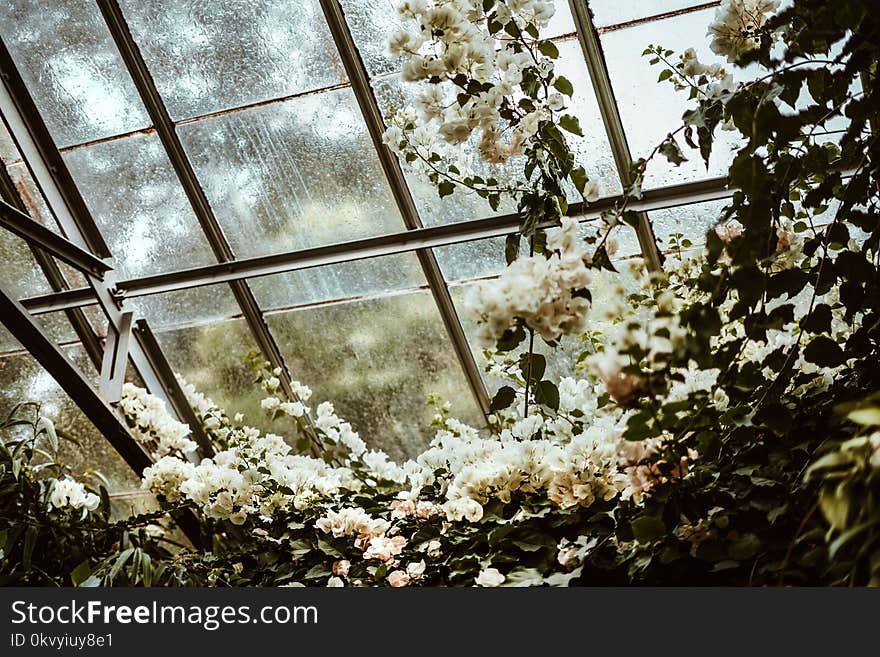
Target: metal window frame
55,277
431,237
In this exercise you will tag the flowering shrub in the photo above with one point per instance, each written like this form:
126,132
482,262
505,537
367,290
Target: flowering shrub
697,440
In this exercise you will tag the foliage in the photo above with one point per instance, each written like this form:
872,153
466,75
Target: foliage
723,430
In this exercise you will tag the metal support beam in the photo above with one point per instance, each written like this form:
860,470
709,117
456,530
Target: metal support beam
592,48
174,394
360,82
55,277
35,233
115,359
383,245
165,129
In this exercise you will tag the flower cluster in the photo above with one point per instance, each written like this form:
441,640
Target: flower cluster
450,43
546,292
737,25
152,425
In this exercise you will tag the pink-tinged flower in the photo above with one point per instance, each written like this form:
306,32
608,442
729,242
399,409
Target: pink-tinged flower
489,578
341,567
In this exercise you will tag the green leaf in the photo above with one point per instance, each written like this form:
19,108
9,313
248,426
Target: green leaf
120,562
745,547
671,151
46,425
647,529
547,393
563,86
30,541
549,49
571,124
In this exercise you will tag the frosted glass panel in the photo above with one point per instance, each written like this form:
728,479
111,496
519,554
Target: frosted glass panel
592,150
20,275
372,21
612,12
292,175
211,358
23,379
471,259
207,56
139,206
376,360
650,110
72,69
346,280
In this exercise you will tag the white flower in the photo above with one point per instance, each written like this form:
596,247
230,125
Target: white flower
490,578
270,403
334,583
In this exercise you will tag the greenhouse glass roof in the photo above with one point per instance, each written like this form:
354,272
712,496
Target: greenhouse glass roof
227,156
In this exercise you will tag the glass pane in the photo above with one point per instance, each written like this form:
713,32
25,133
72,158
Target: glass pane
470,260
72,69
139,206
38,210
23,379
292,175
690,221
195,305
376,360
207,56
346,280
482,258
612,12
211,358
8,151
592,150
638,94
372,21
20,275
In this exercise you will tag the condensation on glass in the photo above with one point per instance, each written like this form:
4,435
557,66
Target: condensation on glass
72,69
210,56
212,358
292,175
346,280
